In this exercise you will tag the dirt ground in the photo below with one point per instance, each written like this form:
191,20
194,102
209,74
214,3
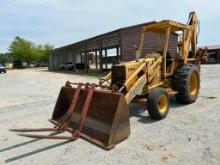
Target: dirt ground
189,135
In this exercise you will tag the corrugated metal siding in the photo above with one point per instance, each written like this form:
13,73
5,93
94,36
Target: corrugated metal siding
65,54
131,37
70,55
62,56
51,61
55,60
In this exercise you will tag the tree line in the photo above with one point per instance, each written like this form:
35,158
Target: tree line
24,50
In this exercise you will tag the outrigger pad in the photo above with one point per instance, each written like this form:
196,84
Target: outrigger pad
107,121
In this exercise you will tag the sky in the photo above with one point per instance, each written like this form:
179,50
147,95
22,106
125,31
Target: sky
62,22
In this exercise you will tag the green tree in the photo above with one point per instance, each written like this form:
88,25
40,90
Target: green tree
44,51
5,57
26,51
47,48
22,49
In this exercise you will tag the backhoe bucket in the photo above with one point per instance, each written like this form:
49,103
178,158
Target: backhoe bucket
107,121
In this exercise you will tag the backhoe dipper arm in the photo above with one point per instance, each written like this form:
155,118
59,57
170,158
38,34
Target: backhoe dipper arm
190,36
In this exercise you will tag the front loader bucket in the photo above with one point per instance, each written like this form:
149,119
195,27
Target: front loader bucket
107,121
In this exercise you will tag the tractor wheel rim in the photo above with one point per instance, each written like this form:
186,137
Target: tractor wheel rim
193,86
162,103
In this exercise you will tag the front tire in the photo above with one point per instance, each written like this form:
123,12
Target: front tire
158,103
187,83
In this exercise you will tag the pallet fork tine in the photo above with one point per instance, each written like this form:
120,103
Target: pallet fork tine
63,120
33,129
46,136
64,125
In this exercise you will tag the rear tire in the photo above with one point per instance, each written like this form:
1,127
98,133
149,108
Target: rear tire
158,103
187,83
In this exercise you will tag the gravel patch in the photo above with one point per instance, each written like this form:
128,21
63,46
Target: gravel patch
189,135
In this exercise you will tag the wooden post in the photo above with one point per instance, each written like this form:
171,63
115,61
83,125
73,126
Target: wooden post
117,53
86,58
106,61
66,57
86,61
100,56
58,58
73,59
96,60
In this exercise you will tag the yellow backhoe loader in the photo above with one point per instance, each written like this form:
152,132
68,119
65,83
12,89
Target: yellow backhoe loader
99,112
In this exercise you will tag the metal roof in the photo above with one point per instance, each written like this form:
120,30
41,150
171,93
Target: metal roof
163,25
104,34
210,47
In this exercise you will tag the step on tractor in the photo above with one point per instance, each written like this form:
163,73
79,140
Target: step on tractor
99,113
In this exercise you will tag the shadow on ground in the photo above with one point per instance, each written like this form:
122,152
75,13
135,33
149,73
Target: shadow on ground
139,111
35,152
32,152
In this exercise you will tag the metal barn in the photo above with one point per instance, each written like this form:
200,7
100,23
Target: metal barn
99,53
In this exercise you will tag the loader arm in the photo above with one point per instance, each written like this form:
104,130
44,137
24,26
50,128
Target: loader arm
145,77
141,77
